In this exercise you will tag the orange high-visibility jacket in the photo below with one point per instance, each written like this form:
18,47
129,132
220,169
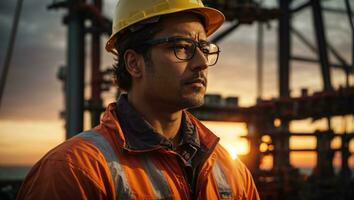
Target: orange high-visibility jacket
98,164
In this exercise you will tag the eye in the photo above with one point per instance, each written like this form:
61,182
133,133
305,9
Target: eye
181,45
209,48
184,49
205,49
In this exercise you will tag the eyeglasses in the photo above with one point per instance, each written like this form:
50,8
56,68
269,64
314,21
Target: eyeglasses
184,48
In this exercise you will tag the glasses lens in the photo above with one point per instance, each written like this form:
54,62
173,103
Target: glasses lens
184,49
212,59
211,52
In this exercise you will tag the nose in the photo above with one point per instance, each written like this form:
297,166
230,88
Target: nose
199,61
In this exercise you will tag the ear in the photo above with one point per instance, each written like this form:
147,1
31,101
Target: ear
133,63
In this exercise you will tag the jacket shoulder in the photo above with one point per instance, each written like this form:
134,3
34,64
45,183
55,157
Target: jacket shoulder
78,152
75,168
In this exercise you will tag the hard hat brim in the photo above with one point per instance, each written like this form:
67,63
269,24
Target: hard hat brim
213,19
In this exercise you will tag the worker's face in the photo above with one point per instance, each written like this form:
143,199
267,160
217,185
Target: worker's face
173,82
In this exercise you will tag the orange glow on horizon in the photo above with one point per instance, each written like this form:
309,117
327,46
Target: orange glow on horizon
230,136
24,142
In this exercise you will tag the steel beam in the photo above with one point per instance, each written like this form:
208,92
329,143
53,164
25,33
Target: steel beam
260,49
312,60
284,48
226,32
343,64
9,51
281,161
321,44
75,71
96,75
350,18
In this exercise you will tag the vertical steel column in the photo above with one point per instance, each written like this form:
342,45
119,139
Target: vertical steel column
260,60
324,167
96,76
350,18
284,47
321,44
281,147
281,157
75,71
345,171
253,157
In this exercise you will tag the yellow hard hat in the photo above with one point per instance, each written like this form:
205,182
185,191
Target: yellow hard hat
129,12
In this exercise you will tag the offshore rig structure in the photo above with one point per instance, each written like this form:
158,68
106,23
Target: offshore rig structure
271,118
283,181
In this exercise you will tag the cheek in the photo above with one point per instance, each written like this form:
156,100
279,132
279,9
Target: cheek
170,78
168,71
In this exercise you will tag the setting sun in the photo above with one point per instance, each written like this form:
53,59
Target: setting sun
230,136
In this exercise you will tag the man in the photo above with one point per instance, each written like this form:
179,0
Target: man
147,145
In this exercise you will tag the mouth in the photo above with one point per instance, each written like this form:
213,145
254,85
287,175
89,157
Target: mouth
199,82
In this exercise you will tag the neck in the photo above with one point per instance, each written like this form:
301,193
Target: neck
165,122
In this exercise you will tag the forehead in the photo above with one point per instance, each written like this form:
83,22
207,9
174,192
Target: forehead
182,24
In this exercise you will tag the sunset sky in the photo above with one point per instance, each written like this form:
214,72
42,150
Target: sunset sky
29,115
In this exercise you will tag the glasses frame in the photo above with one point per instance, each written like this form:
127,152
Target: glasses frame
199,44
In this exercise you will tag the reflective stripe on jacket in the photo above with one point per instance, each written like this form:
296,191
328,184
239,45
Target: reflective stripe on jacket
95,165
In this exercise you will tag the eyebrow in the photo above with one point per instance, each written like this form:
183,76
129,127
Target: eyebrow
197,40
189,37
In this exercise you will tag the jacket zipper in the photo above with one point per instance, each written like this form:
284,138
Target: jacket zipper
197,171
184,172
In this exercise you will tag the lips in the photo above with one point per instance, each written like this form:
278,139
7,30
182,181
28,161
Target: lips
196,81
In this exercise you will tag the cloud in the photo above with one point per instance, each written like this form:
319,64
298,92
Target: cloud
31,84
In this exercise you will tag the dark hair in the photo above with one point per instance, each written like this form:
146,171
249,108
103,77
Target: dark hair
131,40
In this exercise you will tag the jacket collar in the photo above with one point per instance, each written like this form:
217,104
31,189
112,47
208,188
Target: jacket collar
140,135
